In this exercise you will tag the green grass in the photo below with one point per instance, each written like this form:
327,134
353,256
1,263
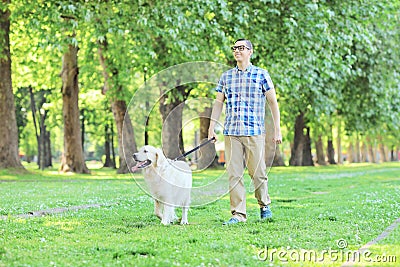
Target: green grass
313,208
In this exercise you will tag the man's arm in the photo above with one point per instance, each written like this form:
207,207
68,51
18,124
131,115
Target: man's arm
273,104
215,114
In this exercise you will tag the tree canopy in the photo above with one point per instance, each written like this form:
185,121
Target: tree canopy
333,62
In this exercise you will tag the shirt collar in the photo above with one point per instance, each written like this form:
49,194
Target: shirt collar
249,67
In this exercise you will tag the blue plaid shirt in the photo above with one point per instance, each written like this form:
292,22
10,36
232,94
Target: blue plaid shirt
245,100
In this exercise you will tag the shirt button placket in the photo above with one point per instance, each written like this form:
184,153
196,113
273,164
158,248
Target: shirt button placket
239,96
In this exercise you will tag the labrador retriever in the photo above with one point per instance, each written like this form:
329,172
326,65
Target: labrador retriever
169,182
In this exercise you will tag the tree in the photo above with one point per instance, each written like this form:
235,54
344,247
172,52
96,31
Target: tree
109,147
72,159
297,148
41,132
9,157
126,138
372,88
45,22
322,57
330,150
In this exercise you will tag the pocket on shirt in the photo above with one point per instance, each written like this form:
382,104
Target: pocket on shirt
253,98
260,84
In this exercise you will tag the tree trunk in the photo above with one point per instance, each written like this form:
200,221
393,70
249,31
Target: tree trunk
146,128
331,153
113,146
33,112
376,153
371,153
339,143
354,150
126,136
382,151
357,149
47,151
172,126
126,142
307,156
351,157
42,141
320,151
171,112
41,133
107,148
330,150
296,158
208,155
45,144
393,154
9,157
364,152
72,159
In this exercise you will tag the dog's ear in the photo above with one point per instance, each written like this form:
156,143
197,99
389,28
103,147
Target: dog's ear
160,158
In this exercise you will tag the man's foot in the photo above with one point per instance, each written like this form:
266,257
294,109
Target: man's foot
231,221
265,213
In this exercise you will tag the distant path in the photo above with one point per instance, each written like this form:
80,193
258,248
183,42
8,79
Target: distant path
41,213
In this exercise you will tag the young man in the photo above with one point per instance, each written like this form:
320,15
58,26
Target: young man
245,89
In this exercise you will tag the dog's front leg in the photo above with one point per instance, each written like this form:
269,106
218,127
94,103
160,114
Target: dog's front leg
157,209
168,215
184,219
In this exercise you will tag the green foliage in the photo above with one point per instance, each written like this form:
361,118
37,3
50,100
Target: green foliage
328,59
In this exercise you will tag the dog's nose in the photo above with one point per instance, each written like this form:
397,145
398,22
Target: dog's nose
134,156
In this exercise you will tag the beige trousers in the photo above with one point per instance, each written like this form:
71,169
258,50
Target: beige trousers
242,151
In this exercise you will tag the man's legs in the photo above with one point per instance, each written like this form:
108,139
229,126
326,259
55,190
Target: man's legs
235,167
255,161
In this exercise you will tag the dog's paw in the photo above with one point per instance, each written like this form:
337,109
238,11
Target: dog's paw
165,222
184,223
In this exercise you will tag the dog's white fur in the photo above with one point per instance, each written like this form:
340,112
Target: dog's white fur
170,183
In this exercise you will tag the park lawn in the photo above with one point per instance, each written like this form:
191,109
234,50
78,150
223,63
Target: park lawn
315,209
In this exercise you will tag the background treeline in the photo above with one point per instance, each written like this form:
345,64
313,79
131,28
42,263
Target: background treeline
68,71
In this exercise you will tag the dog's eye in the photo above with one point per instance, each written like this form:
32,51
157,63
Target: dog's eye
145,151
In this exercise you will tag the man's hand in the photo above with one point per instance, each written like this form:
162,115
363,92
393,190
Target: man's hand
211,135
277,139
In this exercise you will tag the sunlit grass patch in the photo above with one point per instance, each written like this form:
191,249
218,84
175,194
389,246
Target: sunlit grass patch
312,211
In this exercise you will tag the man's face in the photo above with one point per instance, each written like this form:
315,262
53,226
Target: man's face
244,55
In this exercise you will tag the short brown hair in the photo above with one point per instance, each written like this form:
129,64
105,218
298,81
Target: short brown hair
248,43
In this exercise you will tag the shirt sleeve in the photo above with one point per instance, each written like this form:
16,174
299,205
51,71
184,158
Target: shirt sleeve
221,84
268,84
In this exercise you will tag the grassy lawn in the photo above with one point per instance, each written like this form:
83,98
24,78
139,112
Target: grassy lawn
315,209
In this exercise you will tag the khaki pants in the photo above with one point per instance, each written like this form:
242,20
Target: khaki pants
242,151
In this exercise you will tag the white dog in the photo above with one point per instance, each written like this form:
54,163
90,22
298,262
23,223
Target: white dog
170,183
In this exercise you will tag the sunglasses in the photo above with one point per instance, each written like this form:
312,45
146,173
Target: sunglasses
240,47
